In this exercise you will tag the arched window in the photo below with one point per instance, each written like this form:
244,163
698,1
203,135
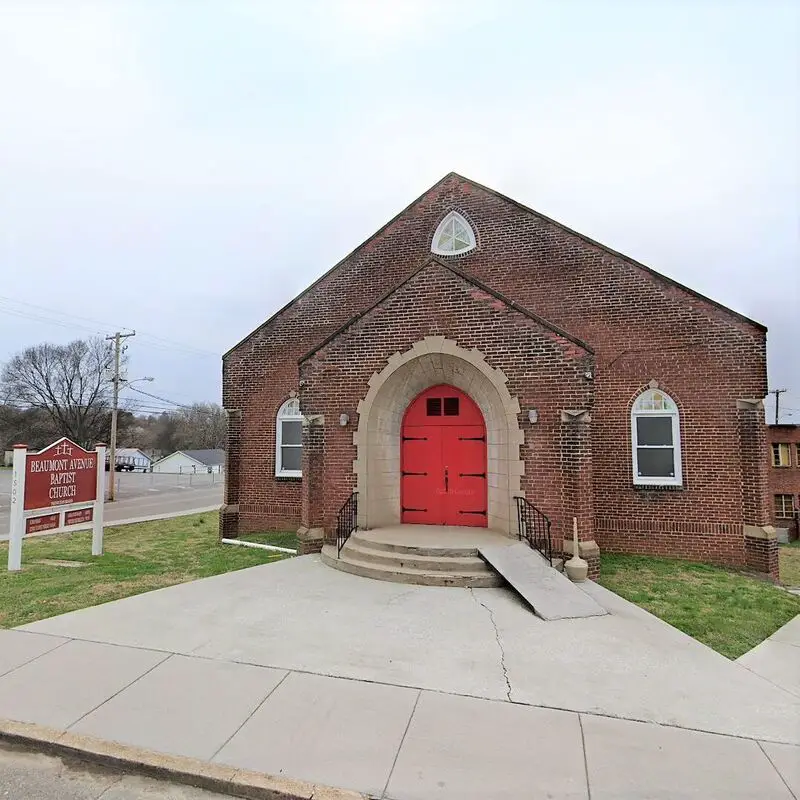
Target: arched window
656,440
289,440
453,236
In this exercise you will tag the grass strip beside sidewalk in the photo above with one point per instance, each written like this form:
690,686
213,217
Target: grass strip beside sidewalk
137,558
789,560
729,611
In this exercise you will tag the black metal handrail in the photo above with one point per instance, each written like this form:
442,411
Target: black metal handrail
534,527
346,522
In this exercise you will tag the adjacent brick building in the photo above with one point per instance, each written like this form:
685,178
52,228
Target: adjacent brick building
609,392
784,476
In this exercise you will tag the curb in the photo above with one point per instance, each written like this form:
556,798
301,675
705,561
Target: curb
177,769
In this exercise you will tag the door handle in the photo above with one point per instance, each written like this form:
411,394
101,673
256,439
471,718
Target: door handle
446,480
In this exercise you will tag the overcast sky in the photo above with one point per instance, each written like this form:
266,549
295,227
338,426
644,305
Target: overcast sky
185,168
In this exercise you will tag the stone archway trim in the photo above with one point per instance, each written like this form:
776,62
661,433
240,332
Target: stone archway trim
436,359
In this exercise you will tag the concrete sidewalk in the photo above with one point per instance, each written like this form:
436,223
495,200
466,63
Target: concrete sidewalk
778,658
407,692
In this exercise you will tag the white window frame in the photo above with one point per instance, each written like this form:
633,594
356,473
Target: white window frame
440,229
780,448
674,415
288,412
782,514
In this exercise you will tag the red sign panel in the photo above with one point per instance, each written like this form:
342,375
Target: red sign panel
74,517
59,475
44,523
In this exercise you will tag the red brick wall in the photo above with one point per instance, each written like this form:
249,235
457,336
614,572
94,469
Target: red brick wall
784,480
640,326
545,372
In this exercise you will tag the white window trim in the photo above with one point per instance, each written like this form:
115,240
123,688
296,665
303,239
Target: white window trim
782,513
781,463
639,480
284,416
440,228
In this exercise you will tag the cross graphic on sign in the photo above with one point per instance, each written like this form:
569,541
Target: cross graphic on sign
63,450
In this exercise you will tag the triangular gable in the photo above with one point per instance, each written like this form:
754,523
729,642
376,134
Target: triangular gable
609,250
340,262
181,453
525,209
468,279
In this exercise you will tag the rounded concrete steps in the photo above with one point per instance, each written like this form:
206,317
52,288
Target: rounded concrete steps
359,539
366,552
398,570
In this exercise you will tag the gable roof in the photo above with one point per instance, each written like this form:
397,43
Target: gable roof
527,210
209,458
611,251
339,263
469,279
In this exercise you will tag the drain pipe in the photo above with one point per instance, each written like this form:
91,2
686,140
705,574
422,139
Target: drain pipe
258,546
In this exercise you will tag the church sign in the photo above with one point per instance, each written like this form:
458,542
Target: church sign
62,474
58,487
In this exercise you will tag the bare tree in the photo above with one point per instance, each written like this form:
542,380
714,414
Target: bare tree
68,382
201,426
30,426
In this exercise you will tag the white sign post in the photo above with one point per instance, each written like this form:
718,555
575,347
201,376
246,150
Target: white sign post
55,489
99,504
17,529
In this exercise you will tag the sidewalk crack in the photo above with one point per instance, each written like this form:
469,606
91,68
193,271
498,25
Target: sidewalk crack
499,644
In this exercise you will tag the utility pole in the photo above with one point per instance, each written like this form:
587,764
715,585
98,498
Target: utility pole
777,393
112,450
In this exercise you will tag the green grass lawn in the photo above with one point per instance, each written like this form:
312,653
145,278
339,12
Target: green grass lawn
729,611
137,558
789,555
277,539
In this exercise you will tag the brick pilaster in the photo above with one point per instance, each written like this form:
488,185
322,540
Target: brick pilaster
312,505
577,495
754,462
761,549
229,513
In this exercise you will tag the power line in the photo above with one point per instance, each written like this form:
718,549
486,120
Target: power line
24,405
162,343
156,397
194,408
56,311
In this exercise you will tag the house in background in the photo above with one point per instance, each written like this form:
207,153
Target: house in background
784,479
131,459
187,462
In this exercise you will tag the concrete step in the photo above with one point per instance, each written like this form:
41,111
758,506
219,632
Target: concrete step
364,551
484,578
421,550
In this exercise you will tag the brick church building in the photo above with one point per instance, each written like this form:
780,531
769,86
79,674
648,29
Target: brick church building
473,352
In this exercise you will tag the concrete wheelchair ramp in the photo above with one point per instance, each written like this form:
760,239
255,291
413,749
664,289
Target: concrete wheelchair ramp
548,592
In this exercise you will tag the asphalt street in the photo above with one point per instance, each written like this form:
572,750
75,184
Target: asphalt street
141,495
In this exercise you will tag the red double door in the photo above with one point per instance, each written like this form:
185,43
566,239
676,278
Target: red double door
443,460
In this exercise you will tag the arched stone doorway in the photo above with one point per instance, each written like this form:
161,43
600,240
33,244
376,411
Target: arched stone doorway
431,362
443,460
